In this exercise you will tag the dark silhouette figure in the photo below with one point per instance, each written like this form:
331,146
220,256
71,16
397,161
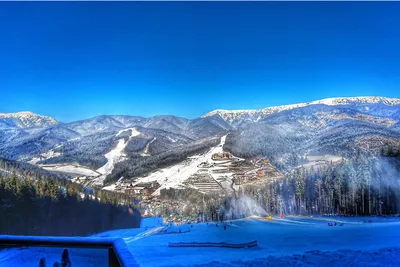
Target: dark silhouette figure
224,227
65,261
42,262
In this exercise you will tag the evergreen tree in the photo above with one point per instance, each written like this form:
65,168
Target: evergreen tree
390,151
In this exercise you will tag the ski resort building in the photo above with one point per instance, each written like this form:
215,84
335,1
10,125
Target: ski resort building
145,189
224,155
260,173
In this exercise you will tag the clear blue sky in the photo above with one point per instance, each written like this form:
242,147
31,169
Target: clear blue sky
75,60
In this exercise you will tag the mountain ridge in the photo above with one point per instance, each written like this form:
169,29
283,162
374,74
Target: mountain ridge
29,118
256,114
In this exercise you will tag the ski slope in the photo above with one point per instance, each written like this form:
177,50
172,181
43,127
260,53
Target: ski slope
115,155
175,175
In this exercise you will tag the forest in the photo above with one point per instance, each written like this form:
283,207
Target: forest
363,185
37,204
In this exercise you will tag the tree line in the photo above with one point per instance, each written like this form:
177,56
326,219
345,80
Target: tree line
42,205
363,185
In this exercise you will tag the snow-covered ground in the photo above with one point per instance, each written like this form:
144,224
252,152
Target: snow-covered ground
30,257
146,153
279,240
70,168
332,158
293,241
174,176
321,161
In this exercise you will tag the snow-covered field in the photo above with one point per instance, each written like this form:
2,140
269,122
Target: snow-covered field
293,241
321,161
315,243
31,256
70,168
332,158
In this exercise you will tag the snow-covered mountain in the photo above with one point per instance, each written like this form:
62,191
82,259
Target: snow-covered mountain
336,126
238,116
25,119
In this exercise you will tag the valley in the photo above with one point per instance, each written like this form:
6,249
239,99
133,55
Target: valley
222,154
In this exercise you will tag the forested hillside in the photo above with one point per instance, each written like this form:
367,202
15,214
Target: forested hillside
140,166
32,203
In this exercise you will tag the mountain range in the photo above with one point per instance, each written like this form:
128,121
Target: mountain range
339,126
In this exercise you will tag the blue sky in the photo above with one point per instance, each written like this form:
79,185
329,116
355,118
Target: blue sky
75,60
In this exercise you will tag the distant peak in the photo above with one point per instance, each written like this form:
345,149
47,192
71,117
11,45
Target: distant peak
230,115
27,119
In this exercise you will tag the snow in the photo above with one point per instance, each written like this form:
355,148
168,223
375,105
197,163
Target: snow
146,153
46,155
171,139
328,158
30,256
26,119
256,114
321,161
70,168
133,133
115,155
174,176
277,239
293,241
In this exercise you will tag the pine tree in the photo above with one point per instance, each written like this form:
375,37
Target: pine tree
40,186
53,190
13,184
300,186
390,151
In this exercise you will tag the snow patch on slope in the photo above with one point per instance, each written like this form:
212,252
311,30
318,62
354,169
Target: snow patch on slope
146,150
71,169
115,155
175,175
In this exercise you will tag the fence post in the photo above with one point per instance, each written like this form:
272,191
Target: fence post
112,258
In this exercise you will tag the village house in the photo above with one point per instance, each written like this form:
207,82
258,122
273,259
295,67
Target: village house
145,189
237,180
137,189
260,173
224,155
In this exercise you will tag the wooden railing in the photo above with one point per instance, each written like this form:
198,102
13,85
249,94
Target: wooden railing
118,253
